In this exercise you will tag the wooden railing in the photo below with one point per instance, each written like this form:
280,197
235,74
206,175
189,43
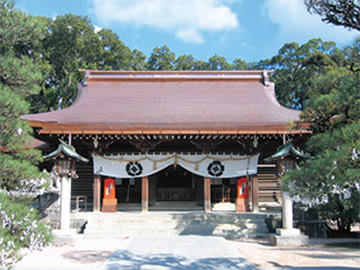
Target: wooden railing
222,193
175,194
129,195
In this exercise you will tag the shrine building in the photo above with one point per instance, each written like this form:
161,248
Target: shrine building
157,138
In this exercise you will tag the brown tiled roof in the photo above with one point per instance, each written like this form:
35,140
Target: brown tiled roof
170,102
34,144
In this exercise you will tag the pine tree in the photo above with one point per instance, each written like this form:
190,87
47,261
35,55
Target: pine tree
19,77
339,12
330,180
20,73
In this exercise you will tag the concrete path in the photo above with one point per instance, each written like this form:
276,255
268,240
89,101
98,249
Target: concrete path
176,253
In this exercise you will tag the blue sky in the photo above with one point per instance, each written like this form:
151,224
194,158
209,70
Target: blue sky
248,29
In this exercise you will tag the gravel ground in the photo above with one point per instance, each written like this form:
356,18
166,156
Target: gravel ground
75,252
84,252
260,253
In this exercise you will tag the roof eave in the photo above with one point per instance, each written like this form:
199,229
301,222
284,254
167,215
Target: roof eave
55,128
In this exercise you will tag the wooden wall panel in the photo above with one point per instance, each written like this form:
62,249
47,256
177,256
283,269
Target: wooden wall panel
83,186
269,184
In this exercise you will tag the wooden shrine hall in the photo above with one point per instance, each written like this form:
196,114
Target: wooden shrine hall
172,136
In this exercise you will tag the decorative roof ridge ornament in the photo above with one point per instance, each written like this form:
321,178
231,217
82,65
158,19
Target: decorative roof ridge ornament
177,74
266,78
86,77
65,150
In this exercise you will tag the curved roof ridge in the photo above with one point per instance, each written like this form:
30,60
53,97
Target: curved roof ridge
174,74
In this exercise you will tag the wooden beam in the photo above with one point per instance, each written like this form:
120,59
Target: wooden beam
56,128
255,193
96,193
207,194
145,194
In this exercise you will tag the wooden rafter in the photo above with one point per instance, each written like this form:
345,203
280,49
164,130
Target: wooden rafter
144,144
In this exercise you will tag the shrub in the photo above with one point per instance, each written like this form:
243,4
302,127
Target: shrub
20,227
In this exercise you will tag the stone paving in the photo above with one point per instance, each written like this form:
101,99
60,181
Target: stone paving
82,252
176,253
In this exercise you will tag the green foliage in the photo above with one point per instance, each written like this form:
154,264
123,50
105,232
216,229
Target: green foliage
70,44
218,63
115,55
240,64
331,178
138,60
296,65
185,62
339,12
162,58
18,32
335,102
201,65
19,78
20,228
342,211
352,55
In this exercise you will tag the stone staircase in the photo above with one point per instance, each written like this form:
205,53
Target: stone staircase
229,225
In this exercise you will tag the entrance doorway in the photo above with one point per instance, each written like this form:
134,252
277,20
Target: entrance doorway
223,190
128,190
175,184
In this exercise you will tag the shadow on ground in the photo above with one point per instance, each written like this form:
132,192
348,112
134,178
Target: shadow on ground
126,260
87,256
286,267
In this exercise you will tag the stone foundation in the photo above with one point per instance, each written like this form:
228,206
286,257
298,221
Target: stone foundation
49,207
289,237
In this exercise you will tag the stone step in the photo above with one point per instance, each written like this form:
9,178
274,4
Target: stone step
161,219
172,221
230,225
171,224
222,227
227,217
185,231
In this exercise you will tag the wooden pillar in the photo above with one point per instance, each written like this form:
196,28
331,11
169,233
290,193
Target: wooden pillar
96,193
255,193
207,194
145,194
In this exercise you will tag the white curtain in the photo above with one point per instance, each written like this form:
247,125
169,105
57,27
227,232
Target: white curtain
139,165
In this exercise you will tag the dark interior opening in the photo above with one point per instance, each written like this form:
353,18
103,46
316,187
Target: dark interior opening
175,184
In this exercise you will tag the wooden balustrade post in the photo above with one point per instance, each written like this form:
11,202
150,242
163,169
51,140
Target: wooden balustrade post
145,194
207,194
255,193
96,193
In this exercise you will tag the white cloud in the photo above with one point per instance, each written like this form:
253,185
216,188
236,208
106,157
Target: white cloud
190,35
297,24
187,18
